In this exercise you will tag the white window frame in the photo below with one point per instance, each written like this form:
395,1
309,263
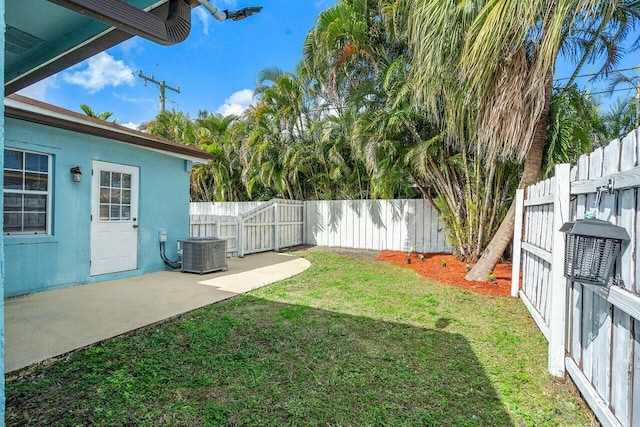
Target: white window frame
47,193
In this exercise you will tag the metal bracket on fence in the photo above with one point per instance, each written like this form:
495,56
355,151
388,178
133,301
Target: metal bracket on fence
609,188
616,280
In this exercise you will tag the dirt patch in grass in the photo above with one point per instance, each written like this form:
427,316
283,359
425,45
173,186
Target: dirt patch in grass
445,268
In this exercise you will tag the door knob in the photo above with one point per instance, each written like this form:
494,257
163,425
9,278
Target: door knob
135,225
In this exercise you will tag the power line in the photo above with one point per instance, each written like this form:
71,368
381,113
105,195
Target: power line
596,74
611,91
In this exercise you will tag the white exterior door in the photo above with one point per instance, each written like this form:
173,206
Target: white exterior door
114,218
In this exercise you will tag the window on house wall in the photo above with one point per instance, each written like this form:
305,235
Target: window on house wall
27,184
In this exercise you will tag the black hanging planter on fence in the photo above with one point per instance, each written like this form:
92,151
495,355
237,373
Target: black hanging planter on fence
591,249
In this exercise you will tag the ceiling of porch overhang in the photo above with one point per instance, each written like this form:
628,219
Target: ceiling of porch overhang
43,38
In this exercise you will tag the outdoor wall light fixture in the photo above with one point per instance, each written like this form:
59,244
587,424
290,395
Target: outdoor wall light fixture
76,174
592,246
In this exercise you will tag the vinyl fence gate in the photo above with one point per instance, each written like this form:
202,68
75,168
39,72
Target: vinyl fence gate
269,226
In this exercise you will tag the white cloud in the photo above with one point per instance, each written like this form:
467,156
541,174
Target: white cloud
101,70
205,17
237,103
135,99
38,90
132,47
130,125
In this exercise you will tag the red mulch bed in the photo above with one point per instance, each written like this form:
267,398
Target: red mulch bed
453,274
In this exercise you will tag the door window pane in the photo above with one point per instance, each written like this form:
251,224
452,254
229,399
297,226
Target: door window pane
126,212
104,195
105,179
116,180
115,196
115,213
104,212
126,180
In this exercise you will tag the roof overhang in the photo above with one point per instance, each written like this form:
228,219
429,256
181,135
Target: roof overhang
43,38
23,108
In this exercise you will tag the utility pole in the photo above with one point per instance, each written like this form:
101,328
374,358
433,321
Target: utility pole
162,85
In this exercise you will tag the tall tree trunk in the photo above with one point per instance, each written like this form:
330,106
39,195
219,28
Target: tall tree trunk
532,168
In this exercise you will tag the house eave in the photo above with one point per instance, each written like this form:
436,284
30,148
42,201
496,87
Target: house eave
100,42
22,108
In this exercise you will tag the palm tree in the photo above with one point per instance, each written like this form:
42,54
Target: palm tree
485,69
576,127
100,116
622,117
276,161
625,114
173,125
219,179
359,50
350,50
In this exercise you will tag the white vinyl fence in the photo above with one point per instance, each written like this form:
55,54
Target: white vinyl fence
223,208
593,331
275,225
397,225
221,226
357,224
257,227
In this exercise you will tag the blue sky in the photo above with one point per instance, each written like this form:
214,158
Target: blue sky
628,62
215,67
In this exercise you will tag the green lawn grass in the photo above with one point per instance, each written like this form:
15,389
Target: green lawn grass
350,342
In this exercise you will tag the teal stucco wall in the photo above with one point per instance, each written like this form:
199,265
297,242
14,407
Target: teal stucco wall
2,25
41,262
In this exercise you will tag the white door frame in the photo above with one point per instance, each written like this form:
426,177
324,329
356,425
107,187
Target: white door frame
114,218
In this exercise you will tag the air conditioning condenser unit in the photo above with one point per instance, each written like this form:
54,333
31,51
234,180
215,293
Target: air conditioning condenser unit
203,255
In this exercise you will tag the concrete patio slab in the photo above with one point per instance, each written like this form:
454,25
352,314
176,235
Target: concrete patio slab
49,324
